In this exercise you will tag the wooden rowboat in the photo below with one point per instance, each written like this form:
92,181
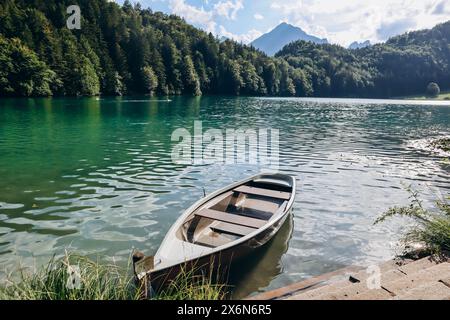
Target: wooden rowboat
223,226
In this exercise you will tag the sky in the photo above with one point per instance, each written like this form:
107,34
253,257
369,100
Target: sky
341,22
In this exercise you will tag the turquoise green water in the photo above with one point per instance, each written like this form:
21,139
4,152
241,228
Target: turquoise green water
95,176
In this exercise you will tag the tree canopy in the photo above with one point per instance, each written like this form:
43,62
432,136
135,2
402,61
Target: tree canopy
130,50
403,65
433,89
124,50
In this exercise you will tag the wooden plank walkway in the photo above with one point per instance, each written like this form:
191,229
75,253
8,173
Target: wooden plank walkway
403,279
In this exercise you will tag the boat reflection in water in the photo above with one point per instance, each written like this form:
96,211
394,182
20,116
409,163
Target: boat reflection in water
255,272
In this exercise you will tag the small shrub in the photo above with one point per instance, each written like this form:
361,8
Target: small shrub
432,229
433,89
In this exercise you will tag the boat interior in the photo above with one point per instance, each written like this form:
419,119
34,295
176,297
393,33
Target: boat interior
236,213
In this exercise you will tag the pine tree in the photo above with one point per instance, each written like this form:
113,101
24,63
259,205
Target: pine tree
190,77
150,80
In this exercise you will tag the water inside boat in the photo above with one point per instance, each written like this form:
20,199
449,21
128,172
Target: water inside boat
235,213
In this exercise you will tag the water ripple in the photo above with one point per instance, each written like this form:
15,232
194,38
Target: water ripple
96,176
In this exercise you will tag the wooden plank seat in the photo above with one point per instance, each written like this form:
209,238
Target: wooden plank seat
256,212
231,218
232,228
264,192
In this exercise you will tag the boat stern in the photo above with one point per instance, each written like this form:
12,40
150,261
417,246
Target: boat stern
142,268
142,265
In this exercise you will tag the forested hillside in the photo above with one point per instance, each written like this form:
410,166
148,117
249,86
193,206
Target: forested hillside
125,50
130,50
403,65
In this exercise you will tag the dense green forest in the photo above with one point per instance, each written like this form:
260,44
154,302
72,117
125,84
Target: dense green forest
130,50
125,50
404,65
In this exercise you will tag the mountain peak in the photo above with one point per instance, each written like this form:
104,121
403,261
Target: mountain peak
359,45
281,35
285,25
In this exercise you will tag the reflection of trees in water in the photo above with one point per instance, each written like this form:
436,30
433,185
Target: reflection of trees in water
256,271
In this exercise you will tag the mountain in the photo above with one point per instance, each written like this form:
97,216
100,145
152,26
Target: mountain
283,34
359,45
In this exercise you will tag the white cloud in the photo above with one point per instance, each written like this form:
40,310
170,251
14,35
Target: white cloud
348,20
203,18
340,22
287,7
228,9
441,7
392,28
193,14
258,16
244,38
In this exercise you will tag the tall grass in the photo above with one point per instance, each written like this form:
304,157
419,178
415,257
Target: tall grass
191,284
431,229
76,277
71,278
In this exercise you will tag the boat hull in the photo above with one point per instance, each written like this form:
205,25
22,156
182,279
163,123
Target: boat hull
159,271
217,264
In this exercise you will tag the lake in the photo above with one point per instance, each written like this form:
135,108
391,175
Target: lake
95,176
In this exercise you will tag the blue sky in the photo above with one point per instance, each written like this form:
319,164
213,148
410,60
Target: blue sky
342,21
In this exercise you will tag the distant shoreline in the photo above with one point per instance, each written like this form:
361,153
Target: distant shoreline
443,96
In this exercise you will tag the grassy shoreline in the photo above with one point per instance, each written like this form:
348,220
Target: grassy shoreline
75,277
445,95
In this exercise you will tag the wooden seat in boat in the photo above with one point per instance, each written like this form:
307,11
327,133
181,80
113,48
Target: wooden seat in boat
231,218
264,192
250,212
233,229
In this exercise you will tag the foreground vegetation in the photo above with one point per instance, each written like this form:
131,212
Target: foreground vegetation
431,229
79,278
129,50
